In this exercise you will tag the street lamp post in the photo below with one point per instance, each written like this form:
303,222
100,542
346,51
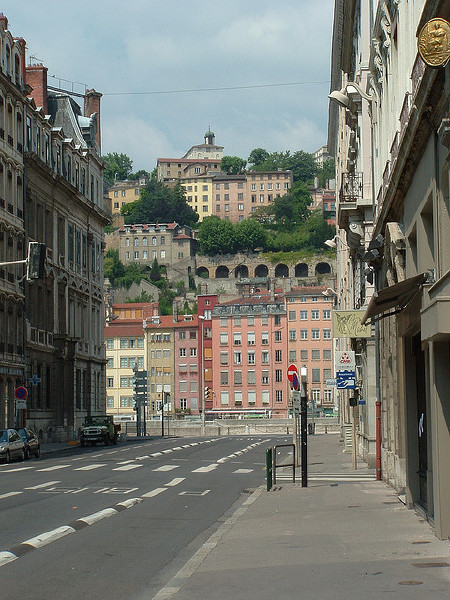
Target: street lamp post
303,424
202,372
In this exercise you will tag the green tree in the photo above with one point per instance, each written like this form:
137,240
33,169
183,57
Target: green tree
118,167
139,174
233,165
288,211
160,204
113,266
216,236
326,172
250,234
258,156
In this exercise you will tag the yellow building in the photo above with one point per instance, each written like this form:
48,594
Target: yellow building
121,193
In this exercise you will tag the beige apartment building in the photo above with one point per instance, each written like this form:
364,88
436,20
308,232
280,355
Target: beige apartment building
122,193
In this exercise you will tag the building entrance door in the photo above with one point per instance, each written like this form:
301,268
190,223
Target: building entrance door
422,421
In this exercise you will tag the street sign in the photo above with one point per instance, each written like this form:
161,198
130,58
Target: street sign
21,404
290,372
330,382
295,382
21,392
296,401
345,380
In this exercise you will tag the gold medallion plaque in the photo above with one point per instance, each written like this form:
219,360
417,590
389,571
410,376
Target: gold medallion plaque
434,42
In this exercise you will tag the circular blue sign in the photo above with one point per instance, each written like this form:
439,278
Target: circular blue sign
21,392
295,382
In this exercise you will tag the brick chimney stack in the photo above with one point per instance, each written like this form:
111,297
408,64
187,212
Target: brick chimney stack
36,77
91,106
4,22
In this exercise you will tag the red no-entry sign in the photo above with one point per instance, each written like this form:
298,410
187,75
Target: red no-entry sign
290,372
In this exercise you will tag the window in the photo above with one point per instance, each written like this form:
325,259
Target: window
251,338
265,357
327,354
315,397
315,376
251,358
124,382
292,335
251,377
278,375
140,342
237,339
223,321
193,352
136,254
278,395
123,362
193,386
110,402
315,354
314,298
224,358
238,378
327,396
315,315
327,334
224,339
277,320
315,334
237,358
223,377
326,374
264,338
278,355
183,386
123,401
278,336
110,363
264,320
182,352
303,354
110,343
303,334
265,397
326,314
192,335
250,320
224,398
292,355
123,343
183,403
238,397
181,335
251,397
237,321
265,377
292,315
110,382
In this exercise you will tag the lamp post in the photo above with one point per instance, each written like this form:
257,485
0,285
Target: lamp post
202,372
303,423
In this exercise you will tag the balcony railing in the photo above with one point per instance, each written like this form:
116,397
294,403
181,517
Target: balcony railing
351,187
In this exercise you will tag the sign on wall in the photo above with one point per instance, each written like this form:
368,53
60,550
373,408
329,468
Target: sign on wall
347,323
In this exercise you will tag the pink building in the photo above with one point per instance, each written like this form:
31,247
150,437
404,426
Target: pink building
310,339
205,306
249,345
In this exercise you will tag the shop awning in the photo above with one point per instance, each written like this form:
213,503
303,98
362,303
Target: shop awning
394,296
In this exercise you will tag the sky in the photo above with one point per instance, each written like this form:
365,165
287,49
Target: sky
257,72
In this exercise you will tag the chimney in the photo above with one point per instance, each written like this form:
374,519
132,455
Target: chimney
92,106
4,22
36,77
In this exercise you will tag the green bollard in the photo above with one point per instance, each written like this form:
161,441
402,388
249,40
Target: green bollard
269,468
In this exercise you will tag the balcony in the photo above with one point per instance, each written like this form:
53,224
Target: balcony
351,187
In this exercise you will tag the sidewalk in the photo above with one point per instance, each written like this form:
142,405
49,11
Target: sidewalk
345,536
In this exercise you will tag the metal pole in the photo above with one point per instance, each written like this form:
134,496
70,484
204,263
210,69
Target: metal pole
378,439
304,435
202,374
162,414
354,453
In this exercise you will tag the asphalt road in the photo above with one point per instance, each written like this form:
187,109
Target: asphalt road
117,522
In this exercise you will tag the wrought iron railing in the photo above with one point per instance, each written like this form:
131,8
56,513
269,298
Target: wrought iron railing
351,187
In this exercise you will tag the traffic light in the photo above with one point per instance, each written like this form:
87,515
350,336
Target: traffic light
36,260
207,392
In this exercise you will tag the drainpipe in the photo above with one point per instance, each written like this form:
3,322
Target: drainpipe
378,440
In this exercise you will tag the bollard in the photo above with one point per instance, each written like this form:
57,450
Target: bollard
269,468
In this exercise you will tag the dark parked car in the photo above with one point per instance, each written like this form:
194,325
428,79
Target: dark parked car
11,445
31,441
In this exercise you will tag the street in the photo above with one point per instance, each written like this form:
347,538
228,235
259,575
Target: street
118,522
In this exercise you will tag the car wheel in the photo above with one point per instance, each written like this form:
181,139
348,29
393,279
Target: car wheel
37,454
22,455
27,454
8,457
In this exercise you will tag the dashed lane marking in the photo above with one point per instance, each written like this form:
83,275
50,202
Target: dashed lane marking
154,492
127,467
166,468
206,469
42,485
9,494
54,468
90,467
175,481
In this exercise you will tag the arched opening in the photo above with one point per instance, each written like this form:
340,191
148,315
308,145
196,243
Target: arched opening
241,271
301,270
281,270
261,271
202,272
222,272
322,268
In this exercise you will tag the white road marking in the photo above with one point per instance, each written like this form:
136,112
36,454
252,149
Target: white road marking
90,467
127,467
243,471
167,451
16,469
142,457
9,494
166,468
49,536
42,485
206,469
188,493
55,468
154,492
6,557
155,454
175,481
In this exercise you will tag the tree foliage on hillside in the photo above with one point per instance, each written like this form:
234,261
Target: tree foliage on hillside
117,167
160,204
233,165
300,163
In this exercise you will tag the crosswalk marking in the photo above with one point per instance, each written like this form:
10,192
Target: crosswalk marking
243,471
54,468
9,494
175,481
127,467
166,468
154,492
42,485
91,467
206,469
16,469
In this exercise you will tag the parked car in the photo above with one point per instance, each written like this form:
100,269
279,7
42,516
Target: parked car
11,445
31,441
